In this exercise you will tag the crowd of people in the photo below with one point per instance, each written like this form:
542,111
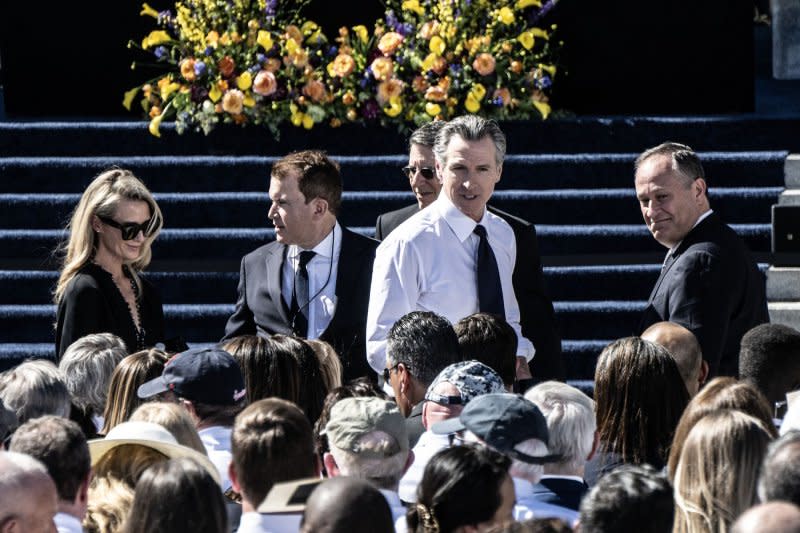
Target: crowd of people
413,384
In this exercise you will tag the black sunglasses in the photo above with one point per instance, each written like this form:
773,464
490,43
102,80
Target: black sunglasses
129,230
427,172
387,372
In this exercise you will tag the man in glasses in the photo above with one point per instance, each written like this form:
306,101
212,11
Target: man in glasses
537,317
313,280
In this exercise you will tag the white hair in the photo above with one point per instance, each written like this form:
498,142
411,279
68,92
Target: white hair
527,471
87,366
571,422
18,472
33,389
384,472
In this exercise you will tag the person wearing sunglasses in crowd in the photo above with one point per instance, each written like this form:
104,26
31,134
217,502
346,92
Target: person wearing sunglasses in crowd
537,317
99,289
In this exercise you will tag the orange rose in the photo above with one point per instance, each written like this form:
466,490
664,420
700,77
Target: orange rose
343,65
419,84
436,94
429,29
299,59
232,101
382,68
516,67
265,83
504,95
484,64
348,98
293,32
226,66
439,65
187,69
388,89
272,64
315,90
389,43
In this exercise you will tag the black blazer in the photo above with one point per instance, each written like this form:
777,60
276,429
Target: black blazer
260,307
561,491
537,316
711,286
92,303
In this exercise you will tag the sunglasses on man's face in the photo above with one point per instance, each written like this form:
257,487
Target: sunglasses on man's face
427,172
129,230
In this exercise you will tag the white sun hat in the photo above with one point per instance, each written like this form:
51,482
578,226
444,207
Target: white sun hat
153,436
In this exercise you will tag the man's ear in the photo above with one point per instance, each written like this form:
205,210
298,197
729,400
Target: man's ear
320,206
700,188
234,478
83,491
439,170
702,376
330,465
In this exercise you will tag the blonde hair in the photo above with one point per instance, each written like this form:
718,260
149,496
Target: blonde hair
101,197
717,472
130,373
173,417
329,363
110,501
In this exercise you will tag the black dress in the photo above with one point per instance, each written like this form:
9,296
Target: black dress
92,303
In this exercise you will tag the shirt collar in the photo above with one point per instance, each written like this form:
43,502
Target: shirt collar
460,223
522,487
324,247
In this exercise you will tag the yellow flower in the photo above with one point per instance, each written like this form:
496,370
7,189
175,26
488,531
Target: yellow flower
505,15
249,101
265,40
187,69
155,123
212,39
479,91
214,94
539,32
432,109
292,46
313,31
395,106
155,38
437,45
362,33
148,11
522,4
128,98
308,122
167,89
550,69
543,108
471,103
245,80
413,5
526,40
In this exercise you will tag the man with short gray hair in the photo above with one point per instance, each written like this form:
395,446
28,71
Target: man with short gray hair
454,258
709,282
34,388
368,440
28,497
572,427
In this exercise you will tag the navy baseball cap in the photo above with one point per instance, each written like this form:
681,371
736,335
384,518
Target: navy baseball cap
205,375
502,421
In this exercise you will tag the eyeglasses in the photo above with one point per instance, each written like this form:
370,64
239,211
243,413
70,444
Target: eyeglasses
129,230
427,172
387,372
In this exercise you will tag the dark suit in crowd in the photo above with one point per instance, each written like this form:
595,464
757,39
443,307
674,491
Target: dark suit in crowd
537,316
560,491
261,308
711,286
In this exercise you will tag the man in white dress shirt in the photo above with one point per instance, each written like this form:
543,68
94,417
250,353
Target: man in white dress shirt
431,261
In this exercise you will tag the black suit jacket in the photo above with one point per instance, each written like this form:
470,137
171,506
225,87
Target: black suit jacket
561,491
711,286
537,317
260,307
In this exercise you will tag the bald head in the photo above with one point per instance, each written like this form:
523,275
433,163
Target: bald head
28,497
347,505
773,517
684,349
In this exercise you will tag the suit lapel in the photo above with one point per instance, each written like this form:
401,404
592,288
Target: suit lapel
346,277
274,260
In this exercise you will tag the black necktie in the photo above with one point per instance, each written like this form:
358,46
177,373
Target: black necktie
300,300
490,292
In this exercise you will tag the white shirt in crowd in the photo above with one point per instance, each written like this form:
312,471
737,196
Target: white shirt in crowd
66,523
428,444
254,522
322,271
397,508
429,263
217,441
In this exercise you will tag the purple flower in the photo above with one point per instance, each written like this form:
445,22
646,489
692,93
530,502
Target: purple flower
160,53
199,68
332,51
209,50
199,94
261,58
544,82
371,110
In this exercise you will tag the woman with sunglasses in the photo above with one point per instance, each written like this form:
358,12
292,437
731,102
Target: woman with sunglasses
99,289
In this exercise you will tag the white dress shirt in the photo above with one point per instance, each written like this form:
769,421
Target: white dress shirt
322,271
217,441
428,445
429,263
254,522
66,523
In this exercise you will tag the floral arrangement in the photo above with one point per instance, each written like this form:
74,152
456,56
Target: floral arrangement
251,62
